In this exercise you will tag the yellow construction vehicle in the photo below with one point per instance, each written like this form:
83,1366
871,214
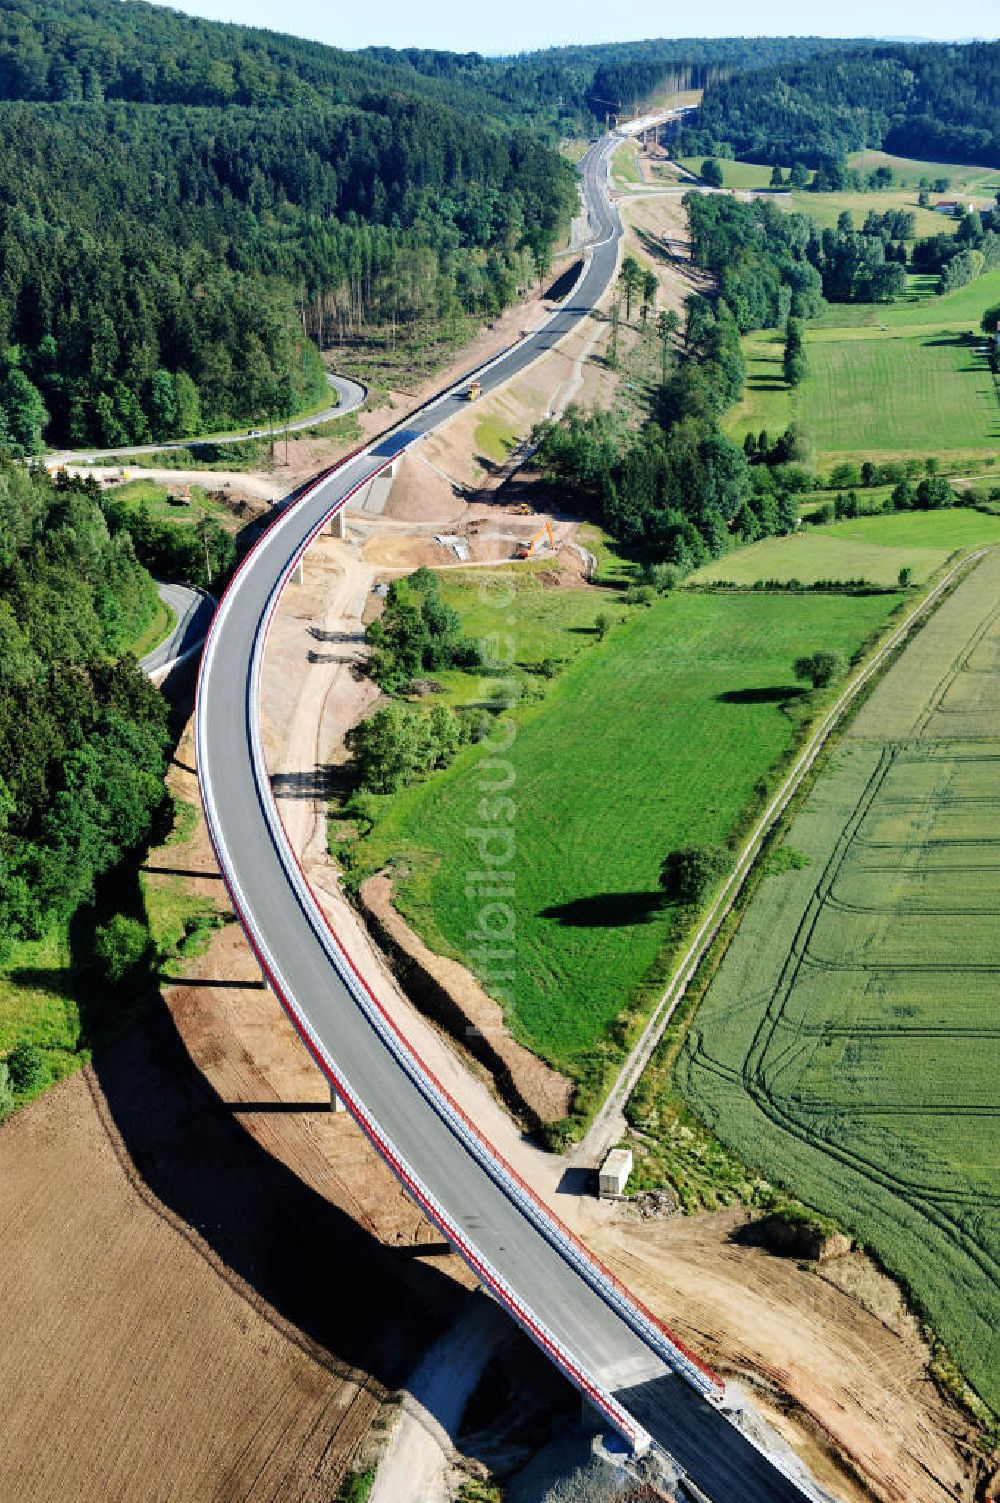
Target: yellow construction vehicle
523,509
527,550
475,391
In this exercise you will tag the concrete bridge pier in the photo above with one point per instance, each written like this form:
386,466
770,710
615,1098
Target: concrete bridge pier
372,496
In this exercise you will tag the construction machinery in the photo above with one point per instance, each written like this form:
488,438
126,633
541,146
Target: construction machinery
523,509
475,391
527,550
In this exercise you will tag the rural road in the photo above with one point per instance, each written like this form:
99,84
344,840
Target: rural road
192,611
651,1389
350,395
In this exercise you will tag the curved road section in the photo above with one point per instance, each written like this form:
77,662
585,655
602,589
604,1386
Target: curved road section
193,611
647,1384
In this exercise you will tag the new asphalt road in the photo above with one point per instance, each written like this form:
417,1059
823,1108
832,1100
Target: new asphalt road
193,611
596,1334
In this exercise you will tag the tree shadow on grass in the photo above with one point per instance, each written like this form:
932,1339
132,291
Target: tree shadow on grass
607,910
950,340
55,981
770,694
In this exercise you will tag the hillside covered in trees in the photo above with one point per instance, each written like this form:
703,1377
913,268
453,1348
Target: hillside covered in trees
83,734
570,88
188,209
183,205
933,101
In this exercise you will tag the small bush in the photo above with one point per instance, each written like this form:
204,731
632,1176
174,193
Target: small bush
356,1487
663,577
818,668
784,859
687,874
120,946
26,1067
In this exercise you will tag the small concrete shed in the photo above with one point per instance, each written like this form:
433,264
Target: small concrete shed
614,1173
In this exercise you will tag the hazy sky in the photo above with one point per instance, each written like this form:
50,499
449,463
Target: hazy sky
521,25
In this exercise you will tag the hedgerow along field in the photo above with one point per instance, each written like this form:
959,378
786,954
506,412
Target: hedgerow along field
848,1045
741,175
651,739
826,209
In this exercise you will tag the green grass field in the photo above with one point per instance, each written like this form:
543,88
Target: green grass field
885,380
625,165
870,548
826,209
812,554
927,394
495,438
38,1005
921,309
156,498
767,399
549,622
734,174
947,531
977,180
849,1043
651,739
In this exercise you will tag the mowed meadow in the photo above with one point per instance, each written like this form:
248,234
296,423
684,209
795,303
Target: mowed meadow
884,381
653,738
849,1043
873,548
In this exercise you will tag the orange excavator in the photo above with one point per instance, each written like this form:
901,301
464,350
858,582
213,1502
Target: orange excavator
527,550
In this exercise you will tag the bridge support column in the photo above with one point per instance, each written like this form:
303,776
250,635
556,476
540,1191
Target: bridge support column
298,573
338,524
336,1104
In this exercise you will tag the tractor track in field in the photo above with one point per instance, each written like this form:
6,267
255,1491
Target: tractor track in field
760,1063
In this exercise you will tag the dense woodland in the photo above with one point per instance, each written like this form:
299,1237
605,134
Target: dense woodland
83,733
570,89
677,489
934,101
64,50
187,210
